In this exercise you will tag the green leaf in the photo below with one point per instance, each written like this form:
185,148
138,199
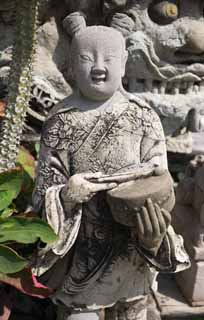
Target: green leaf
10,261
6,198
25,230
37,148
11,179
10,186
7,212
27,161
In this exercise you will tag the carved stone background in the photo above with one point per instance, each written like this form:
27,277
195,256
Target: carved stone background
165,40
51,61
166,59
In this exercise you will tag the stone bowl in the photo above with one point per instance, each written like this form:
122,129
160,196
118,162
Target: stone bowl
126,200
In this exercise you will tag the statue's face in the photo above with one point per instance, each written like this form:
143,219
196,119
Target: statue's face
99,64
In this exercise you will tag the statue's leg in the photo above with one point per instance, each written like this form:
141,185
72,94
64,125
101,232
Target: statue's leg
66,314
136,310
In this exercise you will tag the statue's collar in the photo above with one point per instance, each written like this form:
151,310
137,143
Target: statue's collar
70,104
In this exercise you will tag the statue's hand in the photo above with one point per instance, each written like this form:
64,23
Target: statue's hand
123,23
152,224
79,189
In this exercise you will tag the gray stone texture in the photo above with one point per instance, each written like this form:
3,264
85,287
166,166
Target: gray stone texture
165,44
50,80
188,220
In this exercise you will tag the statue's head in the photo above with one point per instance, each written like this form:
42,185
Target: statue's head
99,58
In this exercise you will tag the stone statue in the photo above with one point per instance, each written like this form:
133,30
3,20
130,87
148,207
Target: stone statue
94,144
164,41
166,51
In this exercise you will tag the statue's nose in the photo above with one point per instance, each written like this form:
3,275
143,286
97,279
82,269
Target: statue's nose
195,38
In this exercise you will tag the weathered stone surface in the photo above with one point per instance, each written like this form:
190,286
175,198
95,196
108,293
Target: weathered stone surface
188,220
93,141
171,302
173,109
166,60
52,57
51,60
192,284
166,54
166,51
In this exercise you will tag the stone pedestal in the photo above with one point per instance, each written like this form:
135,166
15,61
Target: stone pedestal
191,281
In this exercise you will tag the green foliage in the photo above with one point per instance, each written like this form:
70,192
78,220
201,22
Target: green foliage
37,148
10,261
16,187
10,187
27,161
8,211
25,230
20,81
17,167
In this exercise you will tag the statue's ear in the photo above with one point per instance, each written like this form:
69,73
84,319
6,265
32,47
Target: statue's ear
74,23
123,62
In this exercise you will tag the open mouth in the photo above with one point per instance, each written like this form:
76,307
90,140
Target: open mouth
164,87
98,76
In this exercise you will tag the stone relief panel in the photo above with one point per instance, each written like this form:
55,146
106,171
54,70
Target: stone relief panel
166,55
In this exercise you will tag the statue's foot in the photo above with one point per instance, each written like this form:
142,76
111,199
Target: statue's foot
135,310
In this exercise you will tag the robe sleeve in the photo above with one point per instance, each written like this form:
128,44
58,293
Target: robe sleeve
171,256
153,145
53,173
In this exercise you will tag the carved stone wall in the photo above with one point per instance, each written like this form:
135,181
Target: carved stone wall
165,40
166,55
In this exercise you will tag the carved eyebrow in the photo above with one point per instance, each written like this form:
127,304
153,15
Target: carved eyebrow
111,55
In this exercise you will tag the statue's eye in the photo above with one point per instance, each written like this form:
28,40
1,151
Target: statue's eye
85,57
109,58
163,12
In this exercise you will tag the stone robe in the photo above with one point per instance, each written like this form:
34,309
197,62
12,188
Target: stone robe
96,261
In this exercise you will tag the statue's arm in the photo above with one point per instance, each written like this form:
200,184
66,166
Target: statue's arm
58,195
52,175
159,245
